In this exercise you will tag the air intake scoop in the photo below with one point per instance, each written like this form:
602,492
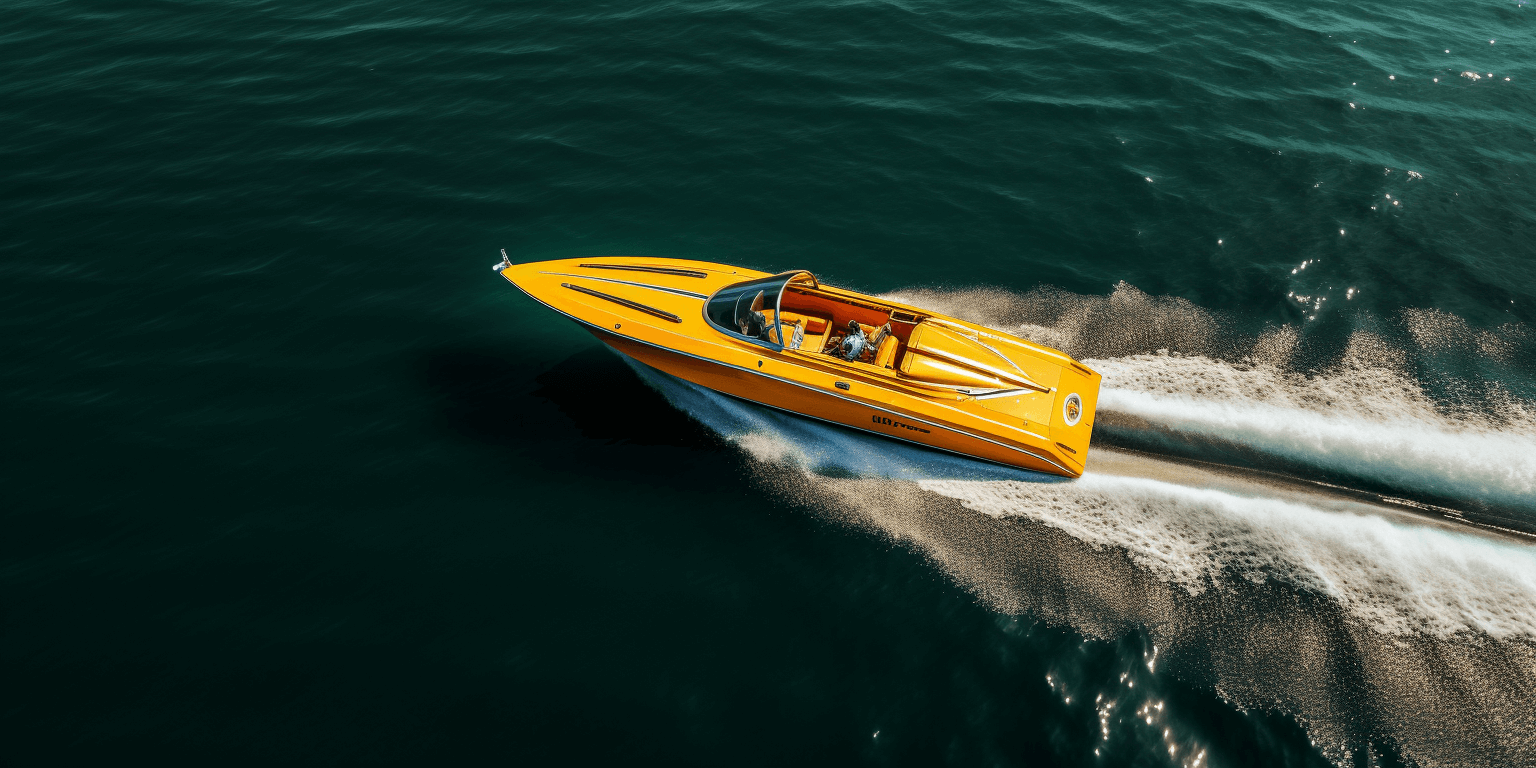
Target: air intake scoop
939,355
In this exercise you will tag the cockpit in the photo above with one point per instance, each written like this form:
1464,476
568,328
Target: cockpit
791,311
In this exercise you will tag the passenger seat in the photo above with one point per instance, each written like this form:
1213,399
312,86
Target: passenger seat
814,328
885,356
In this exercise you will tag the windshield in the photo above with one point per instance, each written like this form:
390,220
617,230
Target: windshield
750,310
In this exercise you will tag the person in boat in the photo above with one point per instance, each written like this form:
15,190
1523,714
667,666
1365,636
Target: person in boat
856,346
754,324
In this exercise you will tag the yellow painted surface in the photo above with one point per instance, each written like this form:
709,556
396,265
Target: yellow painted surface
1026,429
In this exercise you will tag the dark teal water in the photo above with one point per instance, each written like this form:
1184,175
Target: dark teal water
290,477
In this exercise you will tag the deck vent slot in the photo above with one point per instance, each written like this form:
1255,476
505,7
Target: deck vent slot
635,305
638,268
1066,448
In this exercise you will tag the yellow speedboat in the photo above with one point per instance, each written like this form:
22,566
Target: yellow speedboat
788,342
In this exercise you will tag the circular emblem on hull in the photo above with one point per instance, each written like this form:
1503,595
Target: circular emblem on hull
1072,409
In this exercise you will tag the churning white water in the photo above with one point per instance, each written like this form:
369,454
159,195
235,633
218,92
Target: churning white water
1173,370
1397,578
1362,421
1395,575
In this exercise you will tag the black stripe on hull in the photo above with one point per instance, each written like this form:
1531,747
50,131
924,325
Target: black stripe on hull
674,271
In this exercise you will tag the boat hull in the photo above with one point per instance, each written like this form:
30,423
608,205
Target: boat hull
807,401
801,400
657,319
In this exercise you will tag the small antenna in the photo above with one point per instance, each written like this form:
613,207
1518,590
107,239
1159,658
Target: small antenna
503,264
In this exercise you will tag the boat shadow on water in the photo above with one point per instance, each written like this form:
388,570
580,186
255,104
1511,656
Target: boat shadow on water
593,393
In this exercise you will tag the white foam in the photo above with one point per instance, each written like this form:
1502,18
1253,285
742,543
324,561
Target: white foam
1365,421
1398,579
1366,417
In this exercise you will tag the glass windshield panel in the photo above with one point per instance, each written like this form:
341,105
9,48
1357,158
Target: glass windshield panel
742,309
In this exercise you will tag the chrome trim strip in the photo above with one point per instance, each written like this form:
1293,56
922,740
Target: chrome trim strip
663,289
1024,451
1004,393
994,351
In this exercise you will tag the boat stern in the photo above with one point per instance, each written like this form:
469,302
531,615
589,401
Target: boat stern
1072,414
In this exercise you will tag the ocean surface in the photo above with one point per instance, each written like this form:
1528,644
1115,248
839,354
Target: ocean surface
291,477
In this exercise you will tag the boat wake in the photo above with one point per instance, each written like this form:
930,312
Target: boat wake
1276,592
1179,380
